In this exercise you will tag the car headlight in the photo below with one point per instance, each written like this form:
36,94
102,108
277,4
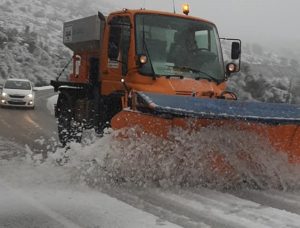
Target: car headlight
4,94
30,95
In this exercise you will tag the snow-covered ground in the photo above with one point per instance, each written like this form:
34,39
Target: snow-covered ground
47,194
29,191
51,102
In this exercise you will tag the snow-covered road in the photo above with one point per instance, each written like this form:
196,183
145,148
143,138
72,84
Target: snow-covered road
28,199
48,194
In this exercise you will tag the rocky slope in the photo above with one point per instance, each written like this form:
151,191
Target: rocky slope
31,36
31,47
266,76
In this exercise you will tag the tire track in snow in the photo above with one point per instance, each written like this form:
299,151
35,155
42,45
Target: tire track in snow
281,200
134,198
152,201
209,208
246,213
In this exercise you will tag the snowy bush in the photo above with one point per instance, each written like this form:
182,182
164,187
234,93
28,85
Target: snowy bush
250,85
3,38
40,13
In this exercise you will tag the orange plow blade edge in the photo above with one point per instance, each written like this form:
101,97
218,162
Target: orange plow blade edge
156,114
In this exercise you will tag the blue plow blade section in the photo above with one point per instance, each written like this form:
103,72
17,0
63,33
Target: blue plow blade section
186,106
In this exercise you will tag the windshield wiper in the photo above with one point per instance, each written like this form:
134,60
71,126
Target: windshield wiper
207,75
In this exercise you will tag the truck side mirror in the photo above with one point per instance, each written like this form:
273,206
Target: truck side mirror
235,50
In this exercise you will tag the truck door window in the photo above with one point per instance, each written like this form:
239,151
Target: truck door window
114,43
119,40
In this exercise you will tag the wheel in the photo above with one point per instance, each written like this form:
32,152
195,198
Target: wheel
107,107
100,118
68,129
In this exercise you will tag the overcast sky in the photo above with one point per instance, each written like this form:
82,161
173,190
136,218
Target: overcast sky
261,21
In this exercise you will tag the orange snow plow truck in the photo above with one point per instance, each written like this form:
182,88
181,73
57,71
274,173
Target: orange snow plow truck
158,71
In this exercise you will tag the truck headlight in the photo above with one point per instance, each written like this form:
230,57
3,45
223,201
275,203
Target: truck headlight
4,94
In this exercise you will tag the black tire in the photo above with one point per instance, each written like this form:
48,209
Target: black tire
107,108
68,129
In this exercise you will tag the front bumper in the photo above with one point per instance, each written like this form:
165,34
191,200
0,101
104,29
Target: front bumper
17,102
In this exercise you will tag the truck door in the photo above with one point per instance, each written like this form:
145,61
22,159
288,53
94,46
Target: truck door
118,46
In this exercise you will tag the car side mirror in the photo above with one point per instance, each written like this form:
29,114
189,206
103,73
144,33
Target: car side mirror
235,50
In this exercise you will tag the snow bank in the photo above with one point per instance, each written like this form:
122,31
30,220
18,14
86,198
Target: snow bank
43,88
51,101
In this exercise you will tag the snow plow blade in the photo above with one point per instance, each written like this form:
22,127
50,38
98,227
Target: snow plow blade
157,114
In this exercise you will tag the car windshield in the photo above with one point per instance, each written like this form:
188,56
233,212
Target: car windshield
179,47
24,85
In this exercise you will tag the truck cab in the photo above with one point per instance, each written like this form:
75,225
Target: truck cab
154,51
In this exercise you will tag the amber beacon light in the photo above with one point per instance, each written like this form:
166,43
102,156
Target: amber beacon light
186,9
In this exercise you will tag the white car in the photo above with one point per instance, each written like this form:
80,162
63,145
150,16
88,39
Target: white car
17,93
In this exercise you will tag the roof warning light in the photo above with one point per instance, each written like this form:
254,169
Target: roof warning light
186,9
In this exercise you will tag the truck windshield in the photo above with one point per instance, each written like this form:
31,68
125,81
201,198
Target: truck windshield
179,47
